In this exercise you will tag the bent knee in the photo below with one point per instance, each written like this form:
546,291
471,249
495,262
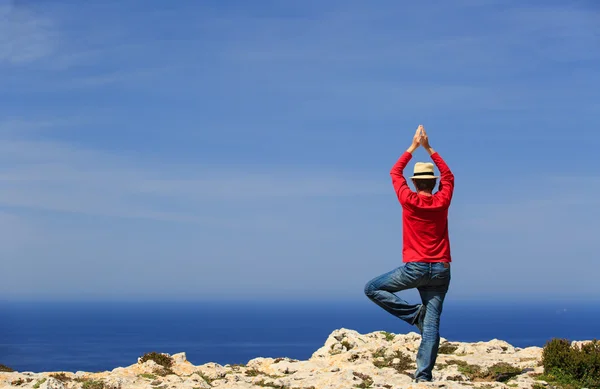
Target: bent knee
370,289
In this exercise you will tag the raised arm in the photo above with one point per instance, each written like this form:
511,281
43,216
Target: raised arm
446,187
397,173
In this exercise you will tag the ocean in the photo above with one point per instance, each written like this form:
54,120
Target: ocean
101,336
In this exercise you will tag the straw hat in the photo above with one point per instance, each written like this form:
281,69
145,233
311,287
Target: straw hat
424,170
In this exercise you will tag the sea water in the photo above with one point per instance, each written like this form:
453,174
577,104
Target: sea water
98,336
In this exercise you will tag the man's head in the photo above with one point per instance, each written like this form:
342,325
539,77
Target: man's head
424,178
425,185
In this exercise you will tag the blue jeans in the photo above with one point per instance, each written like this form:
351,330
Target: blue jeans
432,280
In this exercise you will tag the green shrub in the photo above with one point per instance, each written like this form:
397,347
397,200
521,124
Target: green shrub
163,371
379,353
388,335
265,384
205,377
447,348
39,383
503,372
500,372
161,359
471,371
404,363
572,365
62,377
236,367
556,354
366,381
92,384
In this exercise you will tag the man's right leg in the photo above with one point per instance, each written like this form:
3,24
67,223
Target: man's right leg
433,301
433,294
381,291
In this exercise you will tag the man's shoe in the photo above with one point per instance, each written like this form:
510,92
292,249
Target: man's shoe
417,380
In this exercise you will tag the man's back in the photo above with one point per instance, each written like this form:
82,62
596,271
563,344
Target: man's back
424,217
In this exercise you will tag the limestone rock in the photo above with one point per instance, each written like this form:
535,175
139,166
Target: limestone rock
52,383
212,371
195,381
115,383
347,359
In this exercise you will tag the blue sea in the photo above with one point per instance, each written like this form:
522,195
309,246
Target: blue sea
101,336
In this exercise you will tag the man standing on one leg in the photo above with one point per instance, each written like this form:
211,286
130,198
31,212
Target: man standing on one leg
425,252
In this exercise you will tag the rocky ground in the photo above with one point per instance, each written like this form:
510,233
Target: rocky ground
347,360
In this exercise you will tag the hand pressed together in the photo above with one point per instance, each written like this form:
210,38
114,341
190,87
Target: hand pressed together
420,139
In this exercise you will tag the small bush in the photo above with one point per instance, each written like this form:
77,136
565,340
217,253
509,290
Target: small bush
161,359
465,368
18,382
379,353
367,381
62,377
572,365
92,384
148,376
556,354
347,345
447,348
404,363
5,369
163,371
500,372
236,366
39,383
205,377
471,371
388,335
253,373
265,384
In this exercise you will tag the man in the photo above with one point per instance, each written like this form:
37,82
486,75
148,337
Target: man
425,252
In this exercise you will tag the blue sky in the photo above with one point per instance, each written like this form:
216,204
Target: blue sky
241,150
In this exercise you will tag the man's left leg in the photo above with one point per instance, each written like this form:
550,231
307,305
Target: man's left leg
381,291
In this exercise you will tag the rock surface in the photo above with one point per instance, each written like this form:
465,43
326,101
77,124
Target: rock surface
346,360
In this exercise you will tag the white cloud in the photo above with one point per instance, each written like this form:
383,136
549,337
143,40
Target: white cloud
54,176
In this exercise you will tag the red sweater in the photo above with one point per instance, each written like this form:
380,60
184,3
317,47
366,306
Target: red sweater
424,218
